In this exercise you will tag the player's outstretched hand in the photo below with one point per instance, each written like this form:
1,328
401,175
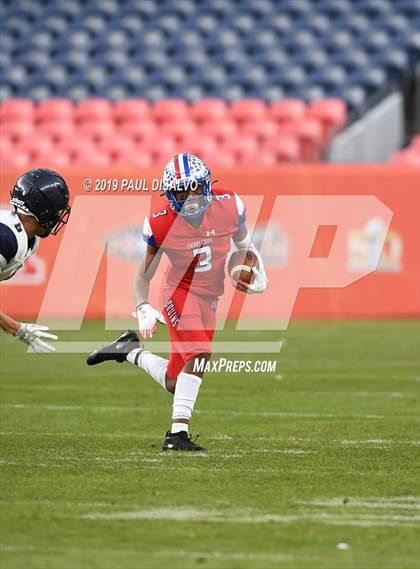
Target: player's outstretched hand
147,317
31,334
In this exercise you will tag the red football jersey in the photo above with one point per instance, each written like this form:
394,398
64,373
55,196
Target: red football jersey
197,255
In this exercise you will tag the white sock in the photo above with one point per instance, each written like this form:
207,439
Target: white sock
186,391
155,366
178,427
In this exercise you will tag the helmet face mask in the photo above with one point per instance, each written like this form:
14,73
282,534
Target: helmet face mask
61,222
187,173
44,195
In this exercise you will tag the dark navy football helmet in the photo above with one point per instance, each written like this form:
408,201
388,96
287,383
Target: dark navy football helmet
44,194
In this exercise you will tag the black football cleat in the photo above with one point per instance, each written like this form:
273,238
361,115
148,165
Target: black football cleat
181,441
116,351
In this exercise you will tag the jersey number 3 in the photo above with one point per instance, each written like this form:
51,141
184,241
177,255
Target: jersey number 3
205,263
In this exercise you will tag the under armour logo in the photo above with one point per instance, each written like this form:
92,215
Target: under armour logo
211,233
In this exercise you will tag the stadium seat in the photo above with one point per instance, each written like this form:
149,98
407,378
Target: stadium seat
372,78
14,158
118,148
139,130
394,61
57,129
220,159
170,110
284,148
157,50
139,159
75,147
310,135
207,110
354,96
40,145
415,143
17,129
220,130
261,130
243,149
59,109
158,149
17,110
100,159
97,130
179,131
287,110
131,110
54,160
406,158
332,114
93,109
244,71
202,147
248,110
6,144
409,156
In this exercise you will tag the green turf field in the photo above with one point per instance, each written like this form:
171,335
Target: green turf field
322,452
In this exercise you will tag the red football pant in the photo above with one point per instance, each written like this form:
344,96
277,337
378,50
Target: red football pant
191,320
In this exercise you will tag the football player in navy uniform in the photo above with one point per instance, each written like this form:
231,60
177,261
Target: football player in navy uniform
40,199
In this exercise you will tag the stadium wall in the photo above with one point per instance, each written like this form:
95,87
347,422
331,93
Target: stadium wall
373,138
71,277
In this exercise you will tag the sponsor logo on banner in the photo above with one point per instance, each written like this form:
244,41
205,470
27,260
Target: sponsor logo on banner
127,244
365,245
273,244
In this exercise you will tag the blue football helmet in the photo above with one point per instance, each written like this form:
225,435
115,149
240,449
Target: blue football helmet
183,172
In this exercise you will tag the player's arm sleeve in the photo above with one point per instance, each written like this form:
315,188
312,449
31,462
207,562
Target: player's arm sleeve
8,245
241,212
148,234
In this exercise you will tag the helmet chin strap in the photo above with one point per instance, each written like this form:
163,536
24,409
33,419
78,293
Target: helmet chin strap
25,212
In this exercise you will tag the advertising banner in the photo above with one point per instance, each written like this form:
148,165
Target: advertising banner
337,241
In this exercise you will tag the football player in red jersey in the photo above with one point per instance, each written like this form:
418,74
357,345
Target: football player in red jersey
195,230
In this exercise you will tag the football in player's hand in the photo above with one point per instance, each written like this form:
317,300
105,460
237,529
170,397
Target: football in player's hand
240,267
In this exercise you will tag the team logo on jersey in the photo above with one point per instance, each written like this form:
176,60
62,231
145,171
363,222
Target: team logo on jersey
127,244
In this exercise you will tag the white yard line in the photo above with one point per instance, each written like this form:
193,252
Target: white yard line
308,415
372,502
219,347
124,388
189,463
356,443
144,554
181,514
121,408
280,451
48,407
241,517
140,436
